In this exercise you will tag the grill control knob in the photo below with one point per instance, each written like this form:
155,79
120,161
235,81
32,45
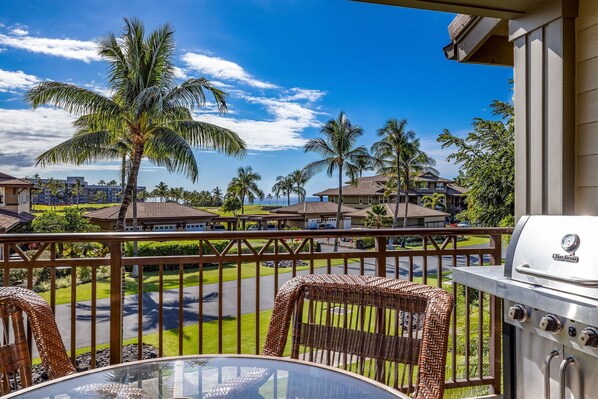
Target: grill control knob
550,323
589,337
518,313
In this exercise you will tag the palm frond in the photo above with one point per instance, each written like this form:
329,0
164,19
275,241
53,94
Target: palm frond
73,99
208,136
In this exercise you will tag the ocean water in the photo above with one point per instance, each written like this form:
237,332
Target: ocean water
282,201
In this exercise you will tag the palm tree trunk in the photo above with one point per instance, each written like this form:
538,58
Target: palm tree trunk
340,204
135,270
289,198
131,182
242,204
405,215
395,218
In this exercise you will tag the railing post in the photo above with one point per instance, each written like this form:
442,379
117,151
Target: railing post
496,243
116,303
496,322
381,256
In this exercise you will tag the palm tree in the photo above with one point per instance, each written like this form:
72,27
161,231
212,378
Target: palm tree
387,154
102,182
111,183
269,198
363,164
299,177
377,216
413,162
161,190
435,201
147,114
338,150
217,196
245,185
54,187
284,185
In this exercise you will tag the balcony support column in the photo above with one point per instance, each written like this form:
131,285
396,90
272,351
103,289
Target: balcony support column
116,303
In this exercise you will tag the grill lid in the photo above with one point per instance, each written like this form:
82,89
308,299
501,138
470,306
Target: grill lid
559,252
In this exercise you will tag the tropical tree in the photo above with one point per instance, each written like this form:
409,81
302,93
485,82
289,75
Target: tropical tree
232,204
111,183
147,113
339,151
283,186
76,191
269,198
413,162
161,190
54,187
244,185
363,164
217,196
434,201
100,196
101,183
387,155
486,157
299,177
377,216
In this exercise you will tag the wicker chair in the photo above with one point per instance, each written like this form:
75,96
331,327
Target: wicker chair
381,328
15,358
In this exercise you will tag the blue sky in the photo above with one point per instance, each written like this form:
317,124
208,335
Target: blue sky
288,66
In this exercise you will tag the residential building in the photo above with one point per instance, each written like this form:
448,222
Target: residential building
78,191
315,215
417,216
371,190
15,202
155,216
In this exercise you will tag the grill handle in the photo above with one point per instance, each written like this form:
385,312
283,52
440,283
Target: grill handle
582,282
554,353
562,374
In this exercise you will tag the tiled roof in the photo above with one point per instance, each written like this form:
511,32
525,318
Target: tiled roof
8,180
314,207
454,190
374,185
152,210
8,219
413,211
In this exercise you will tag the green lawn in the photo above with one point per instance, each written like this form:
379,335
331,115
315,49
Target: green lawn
191,277
249,209
171,280
60,208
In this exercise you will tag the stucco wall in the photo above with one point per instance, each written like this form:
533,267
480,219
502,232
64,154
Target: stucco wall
587,108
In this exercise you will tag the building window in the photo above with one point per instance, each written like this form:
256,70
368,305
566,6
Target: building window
360,200
369,200
440,186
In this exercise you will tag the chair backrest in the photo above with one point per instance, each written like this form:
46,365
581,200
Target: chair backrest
15,356
386,329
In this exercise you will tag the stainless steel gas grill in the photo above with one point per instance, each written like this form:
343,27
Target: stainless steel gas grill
550,289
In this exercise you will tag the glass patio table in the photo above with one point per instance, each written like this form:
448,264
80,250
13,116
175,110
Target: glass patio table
212,376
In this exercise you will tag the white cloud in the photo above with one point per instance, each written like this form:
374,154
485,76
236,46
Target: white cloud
11,80
25,134
85,51
283,131
19,32
262,135
223,69
180,73
297,93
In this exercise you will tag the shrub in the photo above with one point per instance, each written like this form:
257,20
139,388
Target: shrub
172,248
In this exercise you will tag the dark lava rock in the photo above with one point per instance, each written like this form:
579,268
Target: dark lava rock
83,361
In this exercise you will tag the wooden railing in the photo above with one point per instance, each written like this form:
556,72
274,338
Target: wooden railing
217,299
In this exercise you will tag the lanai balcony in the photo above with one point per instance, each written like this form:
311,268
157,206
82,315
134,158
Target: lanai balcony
219,299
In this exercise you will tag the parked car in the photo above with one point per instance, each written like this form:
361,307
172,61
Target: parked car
218,227
253,227
465,223
325,226
271,227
